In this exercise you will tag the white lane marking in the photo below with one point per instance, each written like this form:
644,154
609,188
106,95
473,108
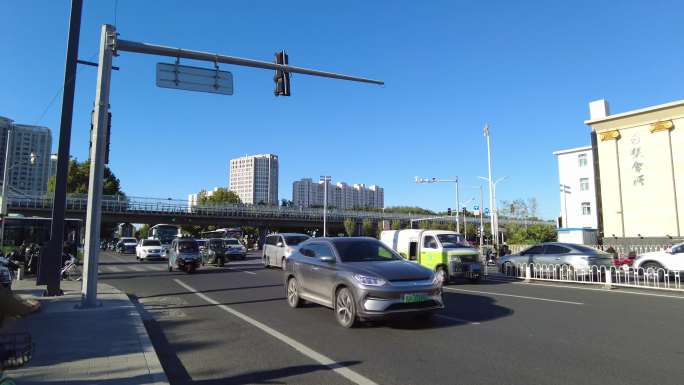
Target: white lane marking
515,296
321,359
465,321
243,271
617,290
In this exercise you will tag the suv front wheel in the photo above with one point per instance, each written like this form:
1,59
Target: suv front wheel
345,308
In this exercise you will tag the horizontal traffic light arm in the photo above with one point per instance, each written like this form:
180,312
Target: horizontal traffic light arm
152,49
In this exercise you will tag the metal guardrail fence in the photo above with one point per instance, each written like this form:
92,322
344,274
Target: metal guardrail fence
608,277
142,205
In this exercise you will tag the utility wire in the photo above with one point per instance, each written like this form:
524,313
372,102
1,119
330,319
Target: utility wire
59,92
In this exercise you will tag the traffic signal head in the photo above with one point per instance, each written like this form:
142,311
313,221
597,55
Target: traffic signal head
449,211
281,78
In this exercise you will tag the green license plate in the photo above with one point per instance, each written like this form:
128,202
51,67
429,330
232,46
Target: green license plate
413,298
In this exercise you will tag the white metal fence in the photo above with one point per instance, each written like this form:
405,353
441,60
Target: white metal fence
607,277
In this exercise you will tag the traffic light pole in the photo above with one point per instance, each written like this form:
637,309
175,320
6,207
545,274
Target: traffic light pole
160,50
110,46
97,161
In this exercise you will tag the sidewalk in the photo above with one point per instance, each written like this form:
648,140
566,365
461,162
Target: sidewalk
106,345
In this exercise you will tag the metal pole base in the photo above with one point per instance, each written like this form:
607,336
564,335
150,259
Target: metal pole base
83,305
48,293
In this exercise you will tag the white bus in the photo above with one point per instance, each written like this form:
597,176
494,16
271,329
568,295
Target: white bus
234,232
165,234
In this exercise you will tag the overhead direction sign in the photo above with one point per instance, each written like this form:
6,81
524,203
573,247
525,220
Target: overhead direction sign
194,78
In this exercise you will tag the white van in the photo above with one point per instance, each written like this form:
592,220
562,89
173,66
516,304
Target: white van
444,252
277,247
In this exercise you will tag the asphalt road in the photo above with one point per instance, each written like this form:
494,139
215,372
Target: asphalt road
232,325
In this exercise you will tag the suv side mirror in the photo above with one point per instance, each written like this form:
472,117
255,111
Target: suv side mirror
327,259
306,252
279,244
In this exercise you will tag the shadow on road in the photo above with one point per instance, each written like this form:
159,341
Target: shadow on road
272,376
213,290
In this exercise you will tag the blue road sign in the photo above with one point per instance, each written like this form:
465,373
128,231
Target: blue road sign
486,210
476,208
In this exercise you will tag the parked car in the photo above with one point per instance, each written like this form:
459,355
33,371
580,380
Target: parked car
183,254
563,255
213,252
126,245
671,259
360,278
234,249
148,249
278,247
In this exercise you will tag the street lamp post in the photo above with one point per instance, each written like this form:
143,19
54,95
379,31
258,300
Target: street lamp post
465,223
325,180
4,188
439,180
493,212
565,189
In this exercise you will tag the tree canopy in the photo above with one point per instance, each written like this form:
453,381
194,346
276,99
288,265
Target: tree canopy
219,195
78,179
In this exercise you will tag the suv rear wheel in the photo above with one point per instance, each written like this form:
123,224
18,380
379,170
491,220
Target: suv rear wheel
293,293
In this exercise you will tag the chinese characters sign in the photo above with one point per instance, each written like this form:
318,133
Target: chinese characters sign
637,157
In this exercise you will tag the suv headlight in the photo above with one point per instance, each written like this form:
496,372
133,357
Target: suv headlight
369,281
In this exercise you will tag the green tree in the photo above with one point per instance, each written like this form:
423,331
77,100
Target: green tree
395,225
532,234
77,183
143,232
349,227
218,196
78,179
367,227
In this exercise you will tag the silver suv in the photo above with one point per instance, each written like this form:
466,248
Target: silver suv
360,278
278,247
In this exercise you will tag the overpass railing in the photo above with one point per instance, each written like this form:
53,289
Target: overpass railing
161,206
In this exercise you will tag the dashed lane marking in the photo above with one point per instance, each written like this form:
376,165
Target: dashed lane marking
298,346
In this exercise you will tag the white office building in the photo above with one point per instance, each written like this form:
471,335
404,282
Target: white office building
578,208
254,178
308,193
29,158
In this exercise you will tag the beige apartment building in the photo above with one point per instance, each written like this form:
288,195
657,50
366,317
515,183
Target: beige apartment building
640,173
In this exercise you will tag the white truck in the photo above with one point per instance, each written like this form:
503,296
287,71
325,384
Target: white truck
441,251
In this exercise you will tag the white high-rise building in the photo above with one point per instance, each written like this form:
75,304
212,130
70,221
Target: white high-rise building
578,197
26,176
307,193
254,178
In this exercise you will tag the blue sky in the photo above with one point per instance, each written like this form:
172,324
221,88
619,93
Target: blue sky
529,68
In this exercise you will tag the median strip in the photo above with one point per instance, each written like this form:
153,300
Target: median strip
312,354
514,296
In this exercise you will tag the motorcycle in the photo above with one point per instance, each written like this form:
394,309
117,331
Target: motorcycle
7,272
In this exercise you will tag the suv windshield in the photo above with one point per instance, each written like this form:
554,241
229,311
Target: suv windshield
151,242
365,250
451,241
294,240
231,242
129,240
187,246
